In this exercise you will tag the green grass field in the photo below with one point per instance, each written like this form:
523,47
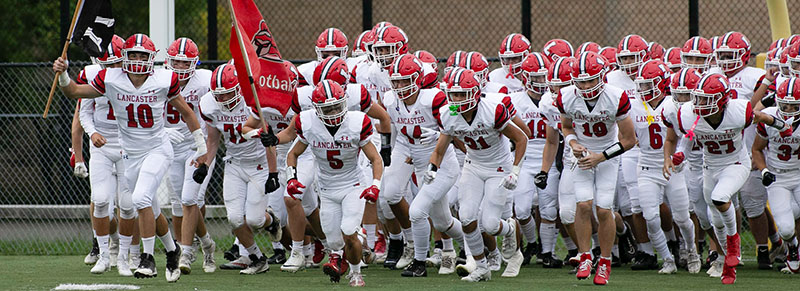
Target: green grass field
47,272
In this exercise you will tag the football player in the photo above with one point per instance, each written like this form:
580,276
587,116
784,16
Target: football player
513,48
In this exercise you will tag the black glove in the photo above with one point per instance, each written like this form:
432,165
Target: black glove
540,180
767,177
268,139
272,183
386,149
200,173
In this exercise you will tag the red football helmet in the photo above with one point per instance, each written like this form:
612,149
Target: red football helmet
778,43
733,51
224,81
631,53
696,53
557,48
534,72
610,54
682,83
293,74
372,33
511,51
332,68
390,43
588,75
588,46
655,51
406,76
652,80
788,98
359,46
429,79
330,102
446,77
139,43
463,90
113,52
331,40
793,59
784,62
712,93
476,62
183,49
559,74
773,59
792,39
455,59
673,59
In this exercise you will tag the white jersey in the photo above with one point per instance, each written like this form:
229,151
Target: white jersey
336,155
533,115
139,111
552,117
669,117
197,86
96,115
651,134
745,82
411,120
620,79
230,124
306,72
482,137
277,122
352,62
723,145
596,129
492,87
783,152
502,77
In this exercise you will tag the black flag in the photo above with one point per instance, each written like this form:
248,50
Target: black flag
94,27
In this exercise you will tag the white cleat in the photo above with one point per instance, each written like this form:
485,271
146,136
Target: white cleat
123,268
102,265
296,261
509,247
356,280
514,263
209,264
493,260
448,265
693,263
91,258
715,271
464,270
480,274
257,265
668,267
407,257
185,262
435,260
134,261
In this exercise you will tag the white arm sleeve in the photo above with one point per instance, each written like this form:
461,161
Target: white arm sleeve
87,116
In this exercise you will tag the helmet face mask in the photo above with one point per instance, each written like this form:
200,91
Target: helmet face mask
705,105
137,61
589,87
512,62
228,99
332,112
462,91
385,53
225,87
788,108
647,88
405,86
181,66
536,82
729,59
630,62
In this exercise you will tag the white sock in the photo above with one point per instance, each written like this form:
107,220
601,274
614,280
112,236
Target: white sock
254,250
408,235
395,236
595,241
422,231
149,244
475,241
135,251
481,263
547,232
793,243
647,248
166,239
729,219
569,243
529,231
355,268
187,249
308,249
206,240
372,236
297,244
671,235
615,250
506,228
102,243
125,245
115,235
277,245
447,244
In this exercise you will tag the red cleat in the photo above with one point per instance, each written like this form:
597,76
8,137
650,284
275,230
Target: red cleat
728,274
733,251
603,271
335,267
380,244
585,267
319,253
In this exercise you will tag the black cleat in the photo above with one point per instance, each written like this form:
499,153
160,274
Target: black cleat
461,259
415,269
393,253
232,253
278,257
528,253
147,267
615,262
644,261
712,256
627,246
549,261
763,258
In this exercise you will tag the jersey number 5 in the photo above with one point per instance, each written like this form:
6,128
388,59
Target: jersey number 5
334,162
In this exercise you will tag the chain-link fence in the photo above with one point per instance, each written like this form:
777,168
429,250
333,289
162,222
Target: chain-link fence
43,207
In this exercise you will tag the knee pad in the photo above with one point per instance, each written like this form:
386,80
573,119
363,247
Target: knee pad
718,203
335,243
415,214
309,206
522,212
490,226
101,209
127,213
256,222
384,210
236,221
567,216
549,213
141,201
177,209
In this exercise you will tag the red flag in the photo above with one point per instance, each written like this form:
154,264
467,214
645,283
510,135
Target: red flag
269,74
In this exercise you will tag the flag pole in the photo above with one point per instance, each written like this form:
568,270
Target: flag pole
256,99
64,56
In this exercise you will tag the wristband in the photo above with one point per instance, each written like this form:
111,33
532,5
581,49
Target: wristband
570,137
766,82
432,167
386,139
613,151
764,171
291,172
63,79
376,183
199,140
777,123
515,170
252,134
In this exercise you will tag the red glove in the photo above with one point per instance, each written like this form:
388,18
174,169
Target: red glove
371,194
787,133
677,158
71,158
294,187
